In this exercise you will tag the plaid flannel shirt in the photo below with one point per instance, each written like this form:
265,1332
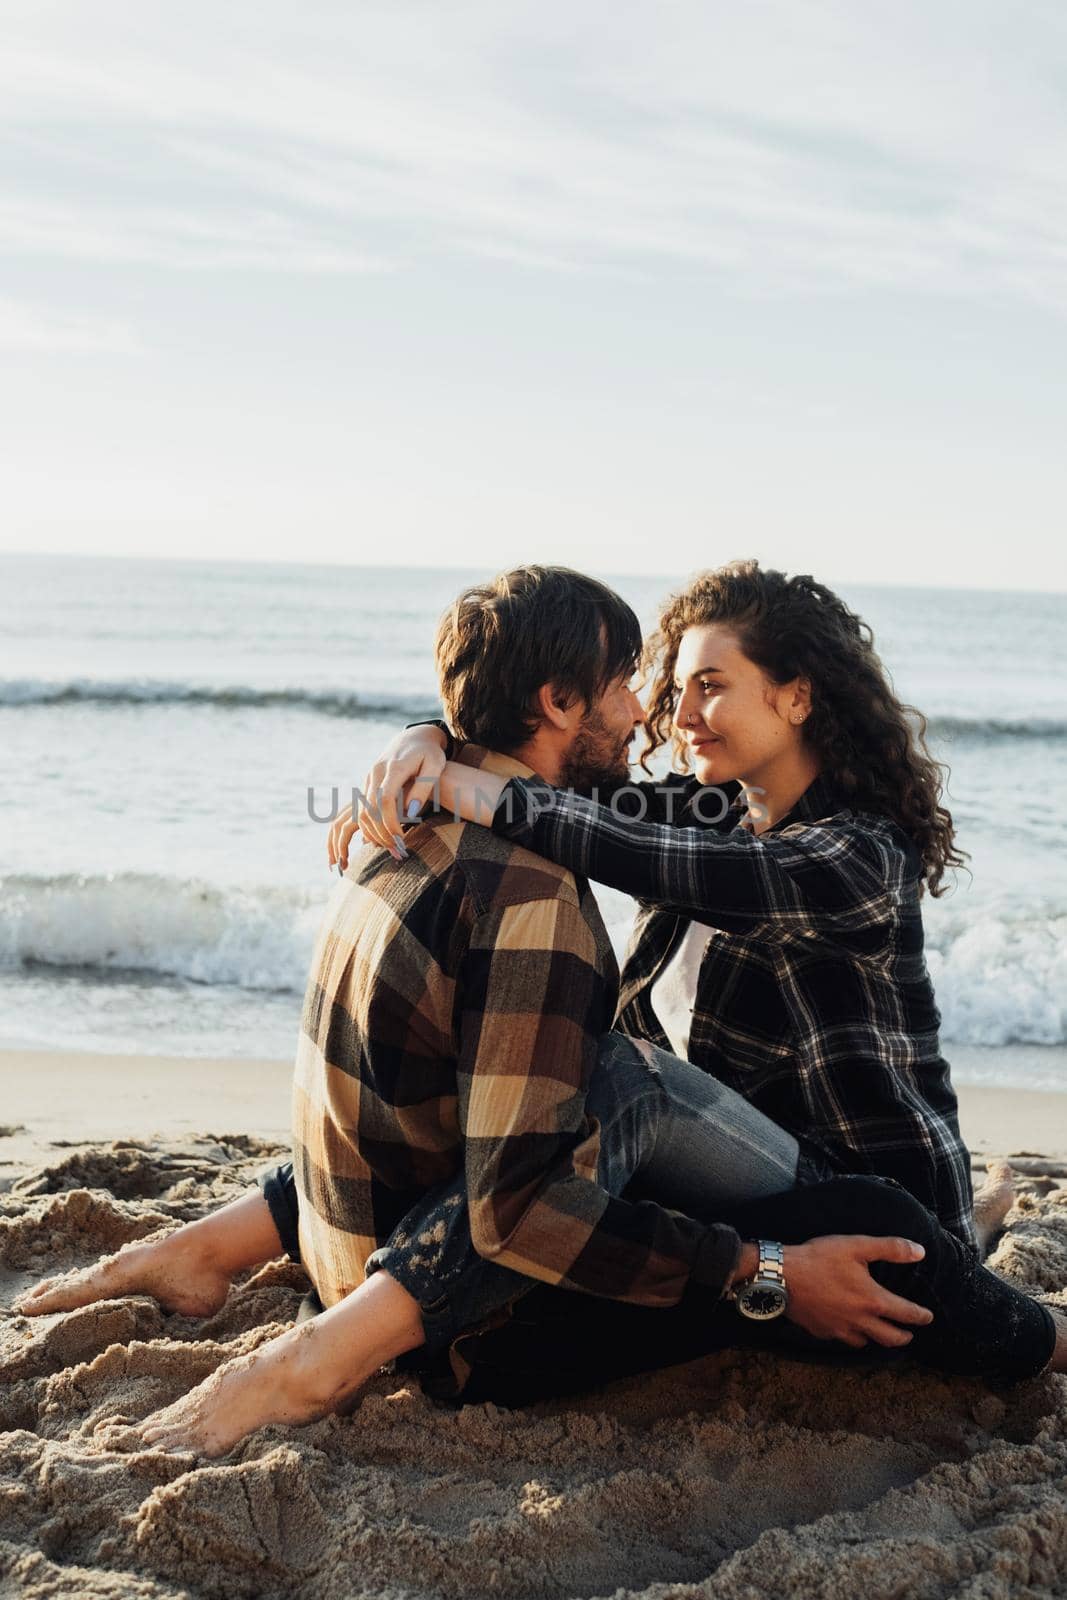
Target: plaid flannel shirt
813,999
451,1022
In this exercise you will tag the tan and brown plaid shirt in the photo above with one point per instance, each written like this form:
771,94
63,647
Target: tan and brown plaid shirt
451,1022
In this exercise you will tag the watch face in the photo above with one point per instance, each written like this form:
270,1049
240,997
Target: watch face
762,1300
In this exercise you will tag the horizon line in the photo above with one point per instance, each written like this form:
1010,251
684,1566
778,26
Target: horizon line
395,566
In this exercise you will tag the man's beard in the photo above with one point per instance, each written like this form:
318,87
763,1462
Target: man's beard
597,758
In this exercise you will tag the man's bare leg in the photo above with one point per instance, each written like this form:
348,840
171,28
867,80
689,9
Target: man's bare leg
993,1201
189,1270
298,1377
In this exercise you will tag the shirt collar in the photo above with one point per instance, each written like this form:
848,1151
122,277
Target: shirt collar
502,766
820,799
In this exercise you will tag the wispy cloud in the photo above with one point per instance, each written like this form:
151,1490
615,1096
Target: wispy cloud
247,238
37,328
795,147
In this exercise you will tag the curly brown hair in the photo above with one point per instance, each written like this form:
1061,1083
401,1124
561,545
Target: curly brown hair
871,746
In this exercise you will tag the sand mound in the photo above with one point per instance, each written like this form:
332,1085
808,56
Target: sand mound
738,1476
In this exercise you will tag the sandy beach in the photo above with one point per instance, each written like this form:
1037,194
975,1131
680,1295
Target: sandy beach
737,1476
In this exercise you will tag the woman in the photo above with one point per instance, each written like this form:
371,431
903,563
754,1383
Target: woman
778,947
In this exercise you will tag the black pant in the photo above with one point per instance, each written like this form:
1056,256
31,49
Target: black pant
557,1341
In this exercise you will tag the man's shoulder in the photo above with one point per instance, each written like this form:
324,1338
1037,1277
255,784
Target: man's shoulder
463,890
495,871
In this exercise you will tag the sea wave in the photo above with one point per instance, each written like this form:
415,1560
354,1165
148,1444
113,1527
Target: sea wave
257,938
1000,974
227,697
992,728
343,702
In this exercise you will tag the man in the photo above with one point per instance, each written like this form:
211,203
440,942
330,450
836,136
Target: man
459,993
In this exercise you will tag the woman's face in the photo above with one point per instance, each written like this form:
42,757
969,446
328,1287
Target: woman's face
733,719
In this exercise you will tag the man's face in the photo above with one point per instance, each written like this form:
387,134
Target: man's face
599,754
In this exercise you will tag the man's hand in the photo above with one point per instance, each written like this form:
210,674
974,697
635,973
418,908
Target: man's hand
406,771
833,1296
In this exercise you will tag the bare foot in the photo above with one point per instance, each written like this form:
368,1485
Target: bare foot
272,1384
1059,1353
175,1270
993,1201
315,1368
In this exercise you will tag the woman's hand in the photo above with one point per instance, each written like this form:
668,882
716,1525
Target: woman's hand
405,773
833,1296
411,770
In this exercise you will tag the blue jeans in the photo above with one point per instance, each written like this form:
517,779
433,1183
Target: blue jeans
668,1132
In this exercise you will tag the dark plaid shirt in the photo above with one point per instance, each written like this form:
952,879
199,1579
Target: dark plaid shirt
813,998
451,1023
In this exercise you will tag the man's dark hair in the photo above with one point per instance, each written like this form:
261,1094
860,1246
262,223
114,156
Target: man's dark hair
500,641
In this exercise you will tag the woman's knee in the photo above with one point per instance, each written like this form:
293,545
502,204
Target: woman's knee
881,1207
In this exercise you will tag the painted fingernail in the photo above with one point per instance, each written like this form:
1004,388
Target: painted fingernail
399,841
414,807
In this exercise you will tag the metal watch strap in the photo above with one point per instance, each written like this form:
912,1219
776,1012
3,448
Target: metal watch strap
771,1264
771,1261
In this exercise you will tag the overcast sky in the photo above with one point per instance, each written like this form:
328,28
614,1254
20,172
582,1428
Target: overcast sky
630,286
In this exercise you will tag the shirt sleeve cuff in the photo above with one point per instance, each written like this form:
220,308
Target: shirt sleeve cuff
717,1257
521,801
436,722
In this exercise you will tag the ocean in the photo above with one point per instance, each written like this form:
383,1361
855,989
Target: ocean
162,724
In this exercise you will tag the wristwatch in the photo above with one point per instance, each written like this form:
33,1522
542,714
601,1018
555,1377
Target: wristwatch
765,1296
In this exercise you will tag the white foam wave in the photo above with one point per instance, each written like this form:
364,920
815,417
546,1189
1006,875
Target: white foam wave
1000,975
258,938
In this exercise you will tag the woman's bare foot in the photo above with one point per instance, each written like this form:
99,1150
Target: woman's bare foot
993,1201
1058,1361
315,1368
176,1270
